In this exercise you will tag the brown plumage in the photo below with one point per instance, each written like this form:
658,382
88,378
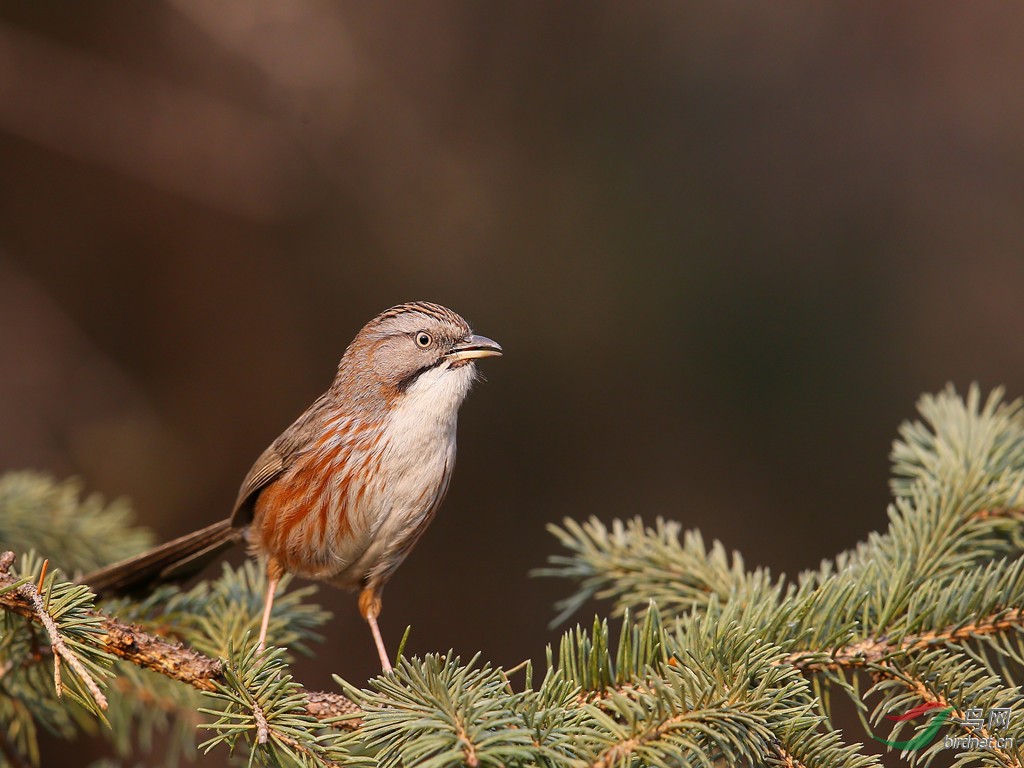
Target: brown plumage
346,491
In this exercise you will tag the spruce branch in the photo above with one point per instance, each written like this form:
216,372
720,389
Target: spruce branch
946,681
702,693
923,693
1015,514
149,651
944,585
785,759
60,648
262,704
634,565
726,665
65,616
874,650
86,532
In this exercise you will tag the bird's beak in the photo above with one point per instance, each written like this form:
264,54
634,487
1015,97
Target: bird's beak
474,347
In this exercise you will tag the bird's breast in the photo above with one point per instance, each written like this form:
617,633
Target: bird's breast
351,507
416,464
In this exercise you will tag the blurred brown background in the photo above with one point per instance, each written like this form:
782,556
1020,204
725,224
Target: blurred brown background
724,245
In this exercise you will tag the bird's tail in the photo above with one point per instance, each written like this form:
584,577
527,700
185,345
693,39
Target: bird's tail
174,560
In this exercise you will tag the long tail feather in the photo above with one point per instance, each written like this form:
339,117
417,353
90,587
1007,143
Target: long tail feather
174,560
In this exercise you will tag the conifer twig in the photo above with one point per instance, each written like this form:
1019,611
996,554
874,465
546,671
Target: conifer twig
873,650
304,750
30,595
788,760
262,726
621,752
988,514
876,652
468,750
154,653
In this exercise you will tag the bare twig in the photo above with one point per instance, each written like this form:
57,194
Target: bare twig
169,659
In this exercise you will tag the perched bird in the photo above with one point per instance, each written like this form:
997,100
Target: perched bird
347,490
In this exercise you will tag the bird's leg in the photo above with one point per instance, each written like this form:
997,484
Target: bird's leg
369,607
274,573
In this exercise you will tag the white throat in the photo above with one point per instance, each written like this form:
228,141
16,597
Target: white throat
422,422
431,403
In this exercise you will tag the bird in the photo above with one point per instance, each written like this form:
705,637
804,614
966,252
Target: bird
345,492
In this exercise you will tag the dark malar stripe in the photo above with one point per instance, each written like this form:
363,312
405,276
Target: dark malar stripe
407,382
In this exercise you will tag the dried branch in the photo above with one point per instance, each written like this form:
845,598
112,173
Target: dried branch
152,652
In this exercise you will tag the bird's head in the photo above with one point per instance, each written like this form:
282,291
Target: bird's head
418,348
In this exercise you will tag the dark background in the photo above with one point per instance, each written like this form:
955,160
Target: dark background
725,246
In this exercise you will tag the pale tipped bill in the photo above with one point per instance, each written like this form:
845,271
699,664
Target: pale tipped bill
474,347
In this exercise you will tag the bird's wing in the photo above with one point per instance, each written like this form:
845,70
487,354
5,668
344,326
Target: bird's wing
281,454
268,466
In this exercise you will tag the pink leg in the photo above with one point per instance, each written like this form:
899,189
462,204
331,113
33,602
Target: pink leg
385,663
369,607
273,577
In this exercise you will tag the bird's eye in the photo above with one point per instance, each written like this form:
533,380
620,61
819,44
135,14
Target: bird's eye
423,340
